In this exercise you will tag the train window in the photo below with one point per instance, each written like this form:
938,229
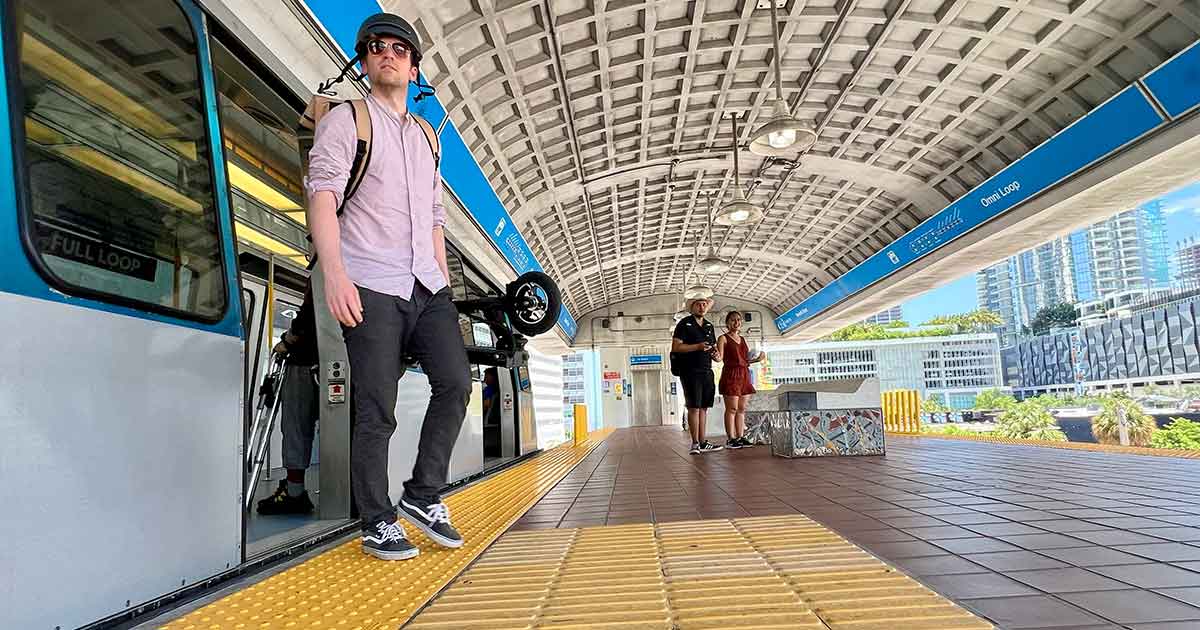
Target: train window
248,306
262,158
119,175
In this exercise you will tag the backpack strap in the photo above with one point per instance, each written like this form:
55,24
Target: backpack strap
435,143
362,150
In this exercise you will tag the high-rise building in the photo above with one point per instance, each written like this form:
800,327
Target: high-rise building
1126,252
894,314
1019,287
1044,278
1186,262
995,291
1081,266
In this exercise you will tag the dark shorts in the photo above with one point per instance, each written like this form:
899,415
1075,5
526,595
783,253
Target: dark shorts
699,389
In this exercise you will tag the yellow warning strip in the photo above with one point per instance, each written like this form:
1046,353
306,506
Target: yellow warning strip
768,572
345,588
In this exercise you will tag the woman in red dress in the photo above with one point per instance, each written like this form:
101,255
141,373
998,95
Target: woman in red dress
735,384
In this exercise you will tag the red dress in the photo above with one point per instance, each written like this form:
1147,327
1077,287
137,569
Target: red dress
735,370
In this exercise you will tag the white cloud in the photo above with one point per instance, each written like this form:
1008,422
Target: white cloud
1184,199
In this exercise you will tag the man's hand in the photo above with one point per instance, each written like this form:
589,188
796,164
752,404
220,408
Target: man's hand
280,348
342,297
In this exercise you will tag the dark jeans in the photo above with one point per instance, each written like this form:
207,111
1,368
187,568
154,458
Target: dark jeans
425,326
299,416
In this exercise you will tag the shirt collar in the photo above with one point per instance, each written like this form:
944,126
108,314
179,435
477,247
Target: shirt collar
388,111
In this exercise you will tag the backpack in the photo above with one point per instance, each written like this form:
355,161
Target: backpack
321,104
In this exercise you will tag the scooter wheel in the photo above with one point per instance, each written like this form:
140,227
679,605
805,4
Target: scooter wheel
532,303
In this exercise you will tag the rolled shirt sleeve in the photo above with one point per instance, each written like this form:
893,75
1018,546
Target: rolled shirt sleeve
332,153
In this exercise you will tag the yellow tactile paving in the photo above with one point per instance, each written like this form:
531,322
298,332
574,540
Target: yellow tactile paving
345,588
770,572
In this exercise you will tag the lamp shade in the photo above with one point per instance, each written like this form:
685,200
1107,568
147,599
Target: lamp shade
738,212
712,264
782,134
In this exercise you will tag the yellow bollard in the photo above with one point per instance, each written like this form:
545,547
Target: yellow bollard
581,424
902,411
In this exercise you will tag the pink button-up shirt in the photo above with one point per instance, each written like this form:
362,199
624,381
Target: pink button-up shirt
387,226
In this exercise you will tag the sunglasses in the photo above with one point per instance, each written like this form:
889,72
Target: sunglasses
377,46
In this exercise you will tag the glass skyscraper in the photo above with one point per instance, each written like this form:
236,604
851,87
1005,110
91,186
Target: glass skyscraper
1126,252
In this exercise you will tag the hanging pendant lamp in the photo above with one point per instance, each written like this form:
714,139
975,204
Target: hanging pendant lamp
739,211
699,291
782,134
712,263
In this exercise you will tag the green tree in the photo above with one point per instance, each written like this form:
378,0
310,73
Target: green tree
1079,401
983,320
1028,420
1180,433
1106,426
956,323
1056,316
978,320
994,399
865,332
933,404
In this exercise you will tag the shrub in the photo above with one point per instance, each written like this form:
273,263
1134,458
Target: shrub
993,399
1181,433
934,405
1106,425
1048,435
1029,420
946,430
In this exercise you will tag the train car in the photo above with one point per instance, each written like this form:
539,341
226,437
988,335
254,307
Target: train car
153,248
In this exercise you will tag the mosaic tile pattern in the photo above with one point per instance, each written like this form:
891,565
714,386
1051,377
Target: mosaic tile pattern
827,432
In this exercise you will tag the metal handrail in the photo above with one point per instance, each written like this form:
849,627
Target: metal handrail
265,413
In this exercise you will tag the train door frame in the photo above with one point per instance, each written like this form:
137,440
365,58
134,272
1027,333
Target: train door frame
138,376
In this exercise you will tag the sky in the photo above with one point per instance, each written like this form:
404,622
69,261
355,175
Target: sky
1182,210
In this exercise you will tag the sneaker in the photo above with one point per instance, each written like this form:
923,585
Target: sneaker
695,448
745,442
386,541
734,443
708,447
433,519
283,503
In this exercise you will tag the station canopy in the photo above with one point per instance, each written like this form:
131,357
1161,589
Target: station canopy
603,126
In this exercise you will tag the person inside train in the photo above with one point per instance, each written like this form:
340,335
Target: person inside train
735,386
695,341
299,412
386,281
491,397
492,440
